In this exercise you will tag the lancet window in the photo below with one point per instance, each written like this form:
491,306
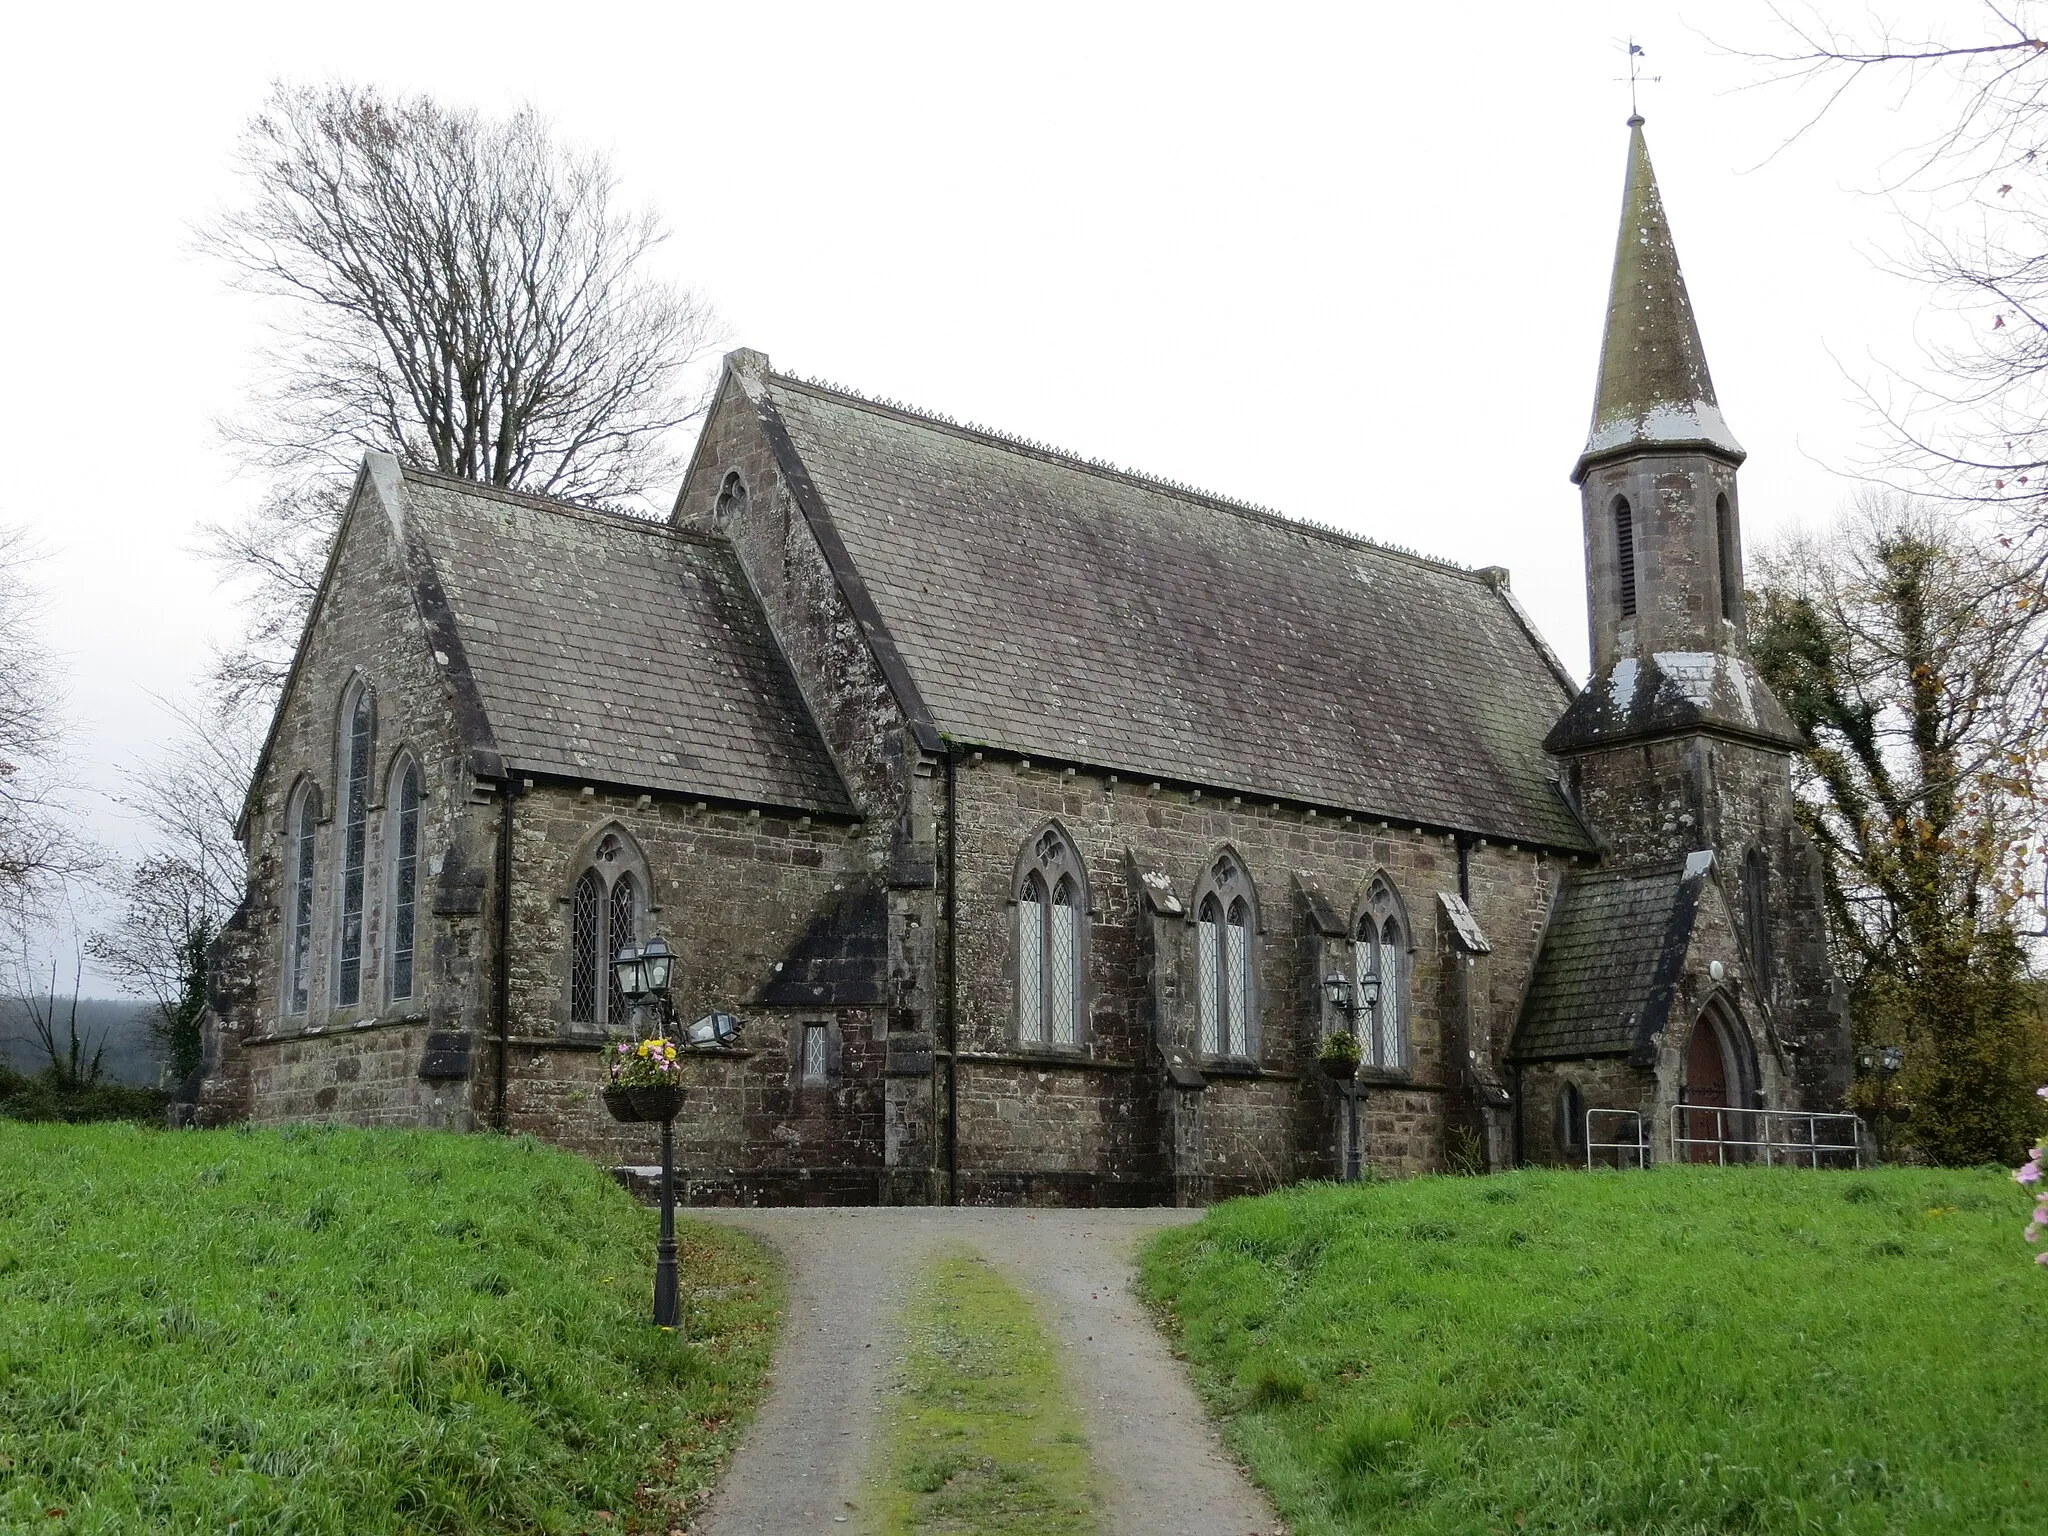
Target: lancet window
606,906
1052,930
1226,934
303,831
355,846
404,844
1380,952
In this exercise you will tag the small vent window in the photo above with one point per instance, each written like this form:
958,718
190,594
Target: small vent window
816,1070
1625,554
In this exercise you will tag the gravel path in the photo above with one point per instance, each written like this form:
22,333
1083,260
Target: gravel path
1163,1468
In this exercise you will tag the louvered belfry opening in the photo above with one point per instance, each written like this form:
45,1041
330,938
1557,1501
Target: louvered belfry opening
1625,554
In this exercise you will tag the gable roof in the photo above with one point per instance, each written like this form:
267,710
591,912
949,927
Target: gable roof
618,649
1610,959
1047,606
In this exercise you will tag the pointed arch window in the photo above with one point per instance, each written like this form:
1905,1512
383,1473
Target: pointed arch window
1730,551
1052,929
1226,978
303,830
404,843
1380,955
606,907
1625,554
355,846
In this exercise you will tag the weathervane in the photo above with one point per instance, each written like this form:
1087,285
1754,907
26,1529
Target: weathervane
1635,75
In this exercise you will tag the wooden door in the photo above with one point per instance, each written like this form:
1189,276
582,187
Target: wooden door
1706,1084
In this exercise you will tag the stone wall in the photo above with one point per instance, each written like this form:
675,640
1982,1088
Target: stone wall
1029,1110
269,1063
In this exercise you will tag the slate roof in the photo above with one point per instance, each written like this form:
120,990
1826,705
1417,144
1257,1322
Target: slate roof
1614,947
619,649
1654,386
1046,606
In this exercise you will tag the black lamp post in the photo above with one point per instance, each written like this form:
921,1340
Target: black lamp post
1883,1061
642,973
1338,988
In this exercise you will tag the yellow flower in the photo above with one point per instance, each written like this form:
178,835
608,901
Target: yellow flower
643,1047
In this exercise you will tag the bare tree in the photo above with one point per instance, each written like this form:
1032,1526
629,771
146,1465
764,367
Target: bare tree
173,900
466,293
40,844
1971,427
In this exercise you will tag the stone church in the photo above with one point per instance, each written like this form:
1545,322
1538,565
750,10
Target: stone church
1020,807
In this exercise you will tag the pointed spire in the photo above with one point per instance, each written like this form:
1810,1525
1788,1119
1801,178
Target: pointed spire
1654,387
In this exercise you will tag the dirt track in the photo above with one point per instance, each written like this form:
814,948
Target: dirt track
1162,1465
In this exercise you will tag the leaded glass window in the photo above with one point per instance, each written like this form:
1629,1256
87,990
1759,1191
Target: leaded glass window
816,1068
1237,971
618,934
1052,934
1031,960
405,879
586,946
355,827
1381,949
1209,975
298,958
1226,968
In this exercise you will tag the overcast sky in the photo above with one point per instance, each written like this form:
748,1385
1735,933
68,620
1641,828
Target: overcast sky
1346,261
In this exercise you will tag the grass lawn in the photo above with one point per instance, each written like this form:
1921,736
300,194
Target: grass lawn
353,1332
1684,1350
981,1436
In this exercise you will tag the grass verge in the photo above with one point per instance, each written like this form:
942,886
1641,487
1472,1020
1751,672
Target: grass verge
1679,1351
353,1332
981,1436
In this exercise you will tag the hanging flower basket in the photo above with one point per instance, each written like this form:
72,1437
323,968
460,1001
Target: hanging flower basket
646,1082
1338,1055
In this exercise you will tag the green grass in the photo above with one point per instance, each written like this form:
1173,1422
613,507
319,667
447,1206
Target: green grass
981,1435
353,1332
1685,1350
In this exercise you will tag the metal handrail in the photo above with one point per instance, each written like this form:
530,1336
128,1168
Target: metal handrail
1640,1146
1761,1124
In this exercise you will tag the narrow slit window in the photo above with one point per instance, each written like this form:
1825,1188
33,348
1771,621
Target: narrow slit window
405,881
1731,559
1390,996
1625,554
1756,903
586,906
354,853
816,1069
304,837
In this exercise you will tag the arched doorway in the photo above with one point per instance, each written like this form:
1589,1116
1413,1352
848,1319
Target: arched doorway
1716,1106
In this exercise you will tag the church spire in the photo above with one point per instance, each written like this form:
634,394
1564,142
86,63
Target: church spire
1655,393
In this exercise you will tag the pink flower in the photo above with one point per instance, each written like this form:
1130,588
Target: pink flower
2028,1173
2043,1092
2041,1258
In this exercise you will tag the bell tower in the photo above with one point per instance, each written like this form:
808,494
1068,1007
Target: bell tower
1677,755
1662,518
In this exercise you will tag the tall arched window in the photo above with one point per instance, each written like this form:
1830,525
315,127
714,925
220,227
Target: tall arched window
606,905
1380,950
1571,1120
1730,551
302,830
1226,980
404,843
1052,926
1625,554
355,846
1756,912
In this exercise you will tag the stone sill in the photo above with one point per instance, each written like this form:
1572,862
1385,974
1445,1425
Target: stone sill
346,1027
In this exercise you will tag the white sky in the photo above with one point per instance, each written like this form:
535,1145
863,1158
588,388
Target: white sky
1346,261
